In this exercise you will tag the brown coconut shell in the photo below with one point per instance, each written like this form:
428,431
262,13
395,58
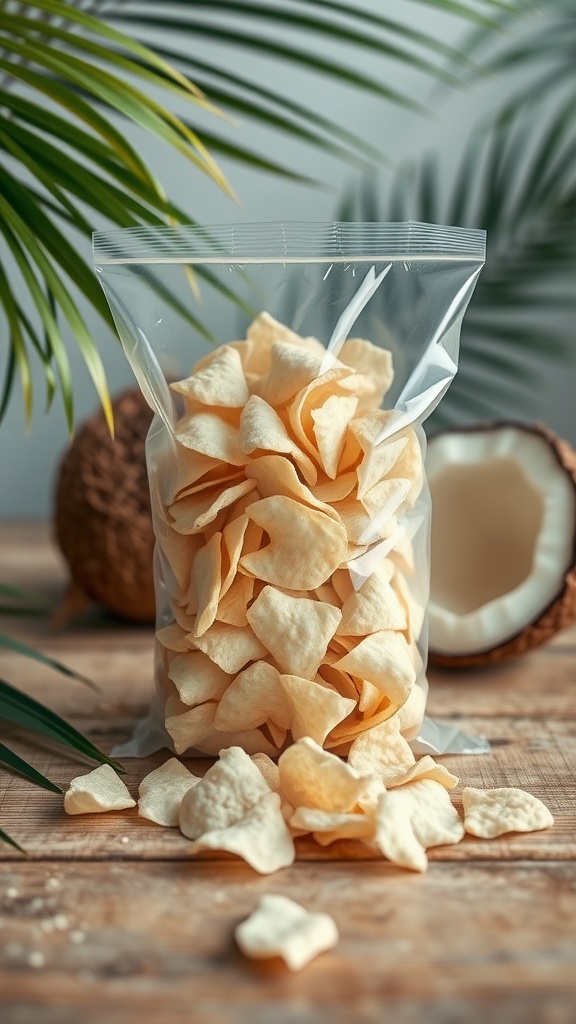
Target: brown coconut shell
102,519
561,611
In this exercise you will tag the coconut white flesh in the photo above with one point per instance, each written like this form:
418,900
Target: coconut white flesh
503,515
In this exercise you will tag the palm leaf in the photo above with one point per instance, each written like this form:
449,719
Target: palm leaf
22,710
18,764
524,192
68,70
11,842
10,644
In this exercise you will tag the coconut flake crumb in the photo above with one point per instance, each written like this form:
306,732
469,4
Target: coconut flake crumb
52,884
12,893
77,938
60,921
36,959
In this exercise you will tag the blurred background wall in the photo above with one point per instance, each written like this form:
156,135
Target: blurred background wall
28,460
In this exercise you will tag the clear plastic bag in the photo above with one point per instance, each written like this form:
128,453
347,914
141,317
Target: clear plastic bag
285,459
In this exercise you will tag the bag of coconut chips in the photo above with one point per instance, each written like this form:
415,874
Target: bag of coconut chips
290,368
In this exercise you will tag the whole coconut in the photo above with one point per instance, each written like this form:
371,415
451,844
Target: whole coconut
103,522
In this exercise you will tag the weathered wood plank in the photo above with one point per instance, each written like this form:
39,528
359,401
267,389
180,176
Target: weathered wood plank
458,944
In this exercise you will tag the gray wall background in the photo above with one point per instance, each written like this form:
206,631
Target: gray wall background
28,460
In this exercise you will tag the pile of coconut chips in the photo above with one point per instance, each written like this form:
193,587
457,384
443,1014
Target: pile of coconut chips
274,493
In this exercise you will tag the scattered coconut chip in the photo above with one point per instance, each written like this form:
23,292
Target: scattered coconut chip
228,790
161,792
281,927
492,812
411,819
97,791
261,837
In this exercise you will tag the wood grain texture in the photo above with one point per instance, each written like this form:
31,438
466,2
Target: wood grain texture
146,933
157,943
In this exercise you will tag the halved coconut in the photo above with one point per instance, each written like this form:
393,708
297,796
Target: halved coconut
503,575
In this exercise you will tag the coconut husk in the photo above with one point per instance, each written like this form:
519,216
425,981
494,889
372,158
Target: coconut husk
102,517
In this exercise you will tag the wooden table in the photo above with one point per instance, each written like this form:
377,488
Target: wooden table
109,920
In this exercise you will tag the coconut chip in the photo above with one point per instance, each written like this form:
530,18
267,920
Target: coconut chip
161,792
97,791
492,812
280,927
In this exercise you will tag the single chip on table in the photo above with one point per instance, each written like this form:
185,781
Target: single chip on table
296,630
492,812
414,817
280,927
161,792
97,791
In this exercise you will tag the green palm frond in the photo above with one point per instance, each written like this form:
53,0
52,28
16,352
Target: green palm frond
70,71
24,711
522,189
546,48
